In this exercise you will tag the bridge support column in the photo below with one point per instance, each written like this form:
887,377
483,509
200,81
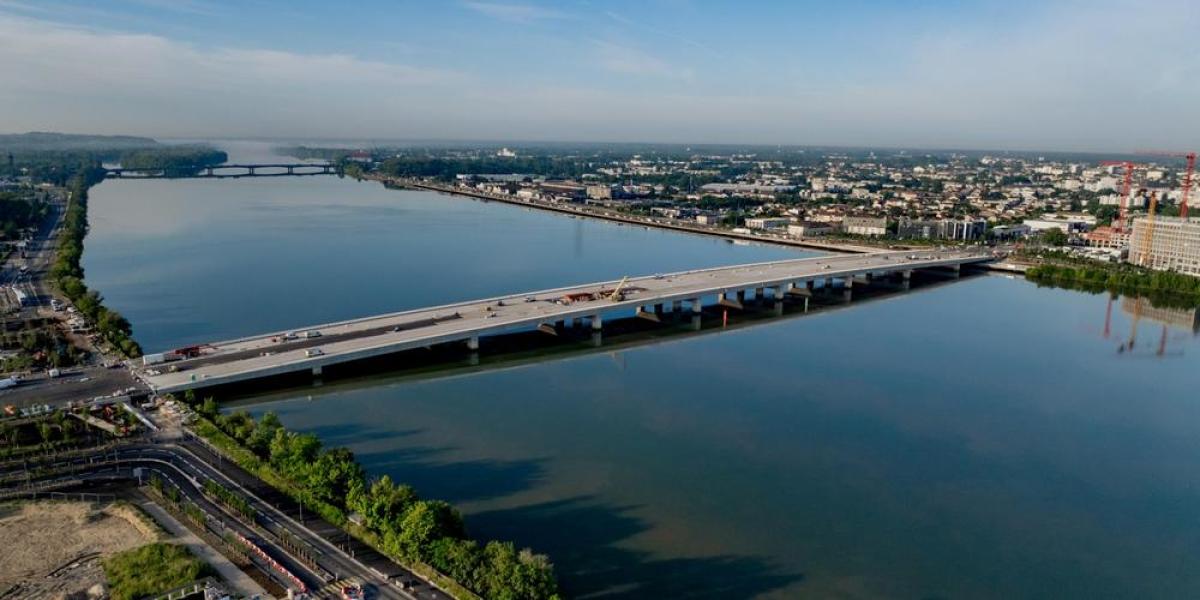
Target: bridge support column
758,294
847,289
316,371
697,305
597,338
473,343
777,307
956,271
597,323
642,313
723,300
906,279
806,304
696,322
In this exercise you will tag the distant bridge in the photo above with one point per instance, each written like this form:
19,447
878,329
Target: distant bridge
225,171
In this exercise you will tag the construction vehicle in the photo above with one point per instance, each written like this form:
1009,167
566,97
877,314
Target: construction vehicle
572,298
616,295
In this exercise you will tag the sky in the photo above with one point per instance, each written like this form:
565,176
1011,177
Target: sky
1098,75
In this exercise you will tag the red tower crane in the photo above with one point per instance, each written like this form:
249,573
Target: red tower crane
1187,175
1126,188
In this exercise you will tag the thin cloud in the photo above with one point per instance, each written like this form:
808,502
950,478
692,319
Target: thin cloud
628,60
514,13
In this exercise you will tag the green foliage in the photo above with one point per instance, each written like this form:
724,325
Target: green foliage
1054,237
68,272
1163,287
230,498
411,529
174,160
152,569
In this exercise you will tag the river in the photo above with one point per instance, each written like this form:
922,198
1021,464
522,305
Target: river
979,439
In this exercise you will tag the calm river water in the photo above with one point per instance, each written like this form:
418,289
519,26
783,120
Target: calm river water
981,439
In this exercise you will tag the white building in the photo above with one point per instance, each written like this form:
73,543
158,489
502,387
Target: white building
809,229
1166,244
871,226
767,223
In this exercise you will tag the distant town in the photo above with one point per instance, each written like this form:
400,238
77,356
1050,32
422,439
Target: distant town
1087,207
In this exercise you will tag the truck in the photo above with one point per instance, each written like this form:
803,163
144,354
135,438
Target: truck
159,358
52,373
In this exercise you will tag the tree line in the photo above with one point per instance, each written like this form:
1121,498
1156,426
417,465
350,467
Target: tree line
410,528
173,159
68,272
1163,287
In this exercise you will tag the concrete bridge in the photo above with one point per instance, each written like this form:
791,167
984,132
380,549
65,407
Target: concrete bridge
553,311
225,171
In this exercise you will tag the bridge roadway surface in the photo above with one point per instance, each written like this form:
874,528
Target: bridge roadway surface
272,354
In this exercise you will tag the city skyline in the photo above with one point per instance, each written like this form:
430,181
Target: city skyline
986,75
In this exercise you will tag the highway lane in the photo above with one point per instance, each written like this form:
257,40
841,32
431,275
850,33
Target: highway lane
190,473
264,355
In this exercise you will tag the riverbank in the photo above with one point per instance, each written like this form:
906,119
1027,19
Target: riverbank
1161,287
67,272
610,215
427,537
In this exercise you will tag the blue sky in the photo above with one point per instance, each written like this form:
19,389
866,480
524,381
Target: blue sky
1098,75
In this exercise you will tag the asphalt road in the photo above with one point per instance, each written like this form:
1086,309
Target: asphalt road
260,356
337,556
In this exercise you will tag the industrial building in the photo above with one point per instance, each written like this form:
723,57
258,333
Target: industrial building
1166,244
865,225
952,229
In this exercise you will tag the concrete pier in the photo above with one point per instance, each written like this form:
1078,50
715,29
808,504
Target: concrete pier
277,353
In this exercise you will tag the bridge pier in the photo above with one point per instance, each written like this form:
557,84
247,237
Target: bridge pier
906,279
473,343
697,306
847,289
956,271
642,313
597,322
723,300
316,371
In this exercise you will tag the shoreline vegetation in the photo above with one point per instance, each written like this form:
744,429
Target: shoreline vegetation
67,272
79,170
1162,288
428,537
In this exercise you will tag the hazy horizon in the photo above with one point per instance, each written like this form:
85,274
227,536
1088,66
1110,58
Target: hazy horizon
1062,76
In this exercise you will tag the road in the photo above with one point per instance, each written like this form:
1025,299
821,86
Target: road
276,353
189,463
82,382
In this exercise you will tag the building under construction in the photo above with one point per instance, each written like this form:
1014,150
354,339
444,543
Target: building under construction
1166,244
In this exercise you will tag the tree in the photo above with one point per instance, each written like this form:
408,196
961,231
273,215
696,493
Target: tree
1055,237
424,522
46,431
209,408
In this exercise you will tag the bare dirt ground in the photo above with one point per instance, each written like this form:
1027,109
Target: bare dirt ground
52,550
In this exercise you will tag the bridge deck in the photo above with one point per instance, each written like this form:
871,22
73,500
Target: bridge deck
271,354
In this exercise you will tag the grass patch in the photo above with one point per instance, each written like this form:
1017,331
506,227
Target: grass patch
152,569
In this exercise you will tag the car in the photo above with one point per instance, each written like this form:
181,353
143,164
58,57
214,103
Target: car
312,333
311,352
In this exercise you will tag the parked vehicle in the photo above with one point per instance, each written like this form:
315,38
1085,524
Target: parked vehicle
311,352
